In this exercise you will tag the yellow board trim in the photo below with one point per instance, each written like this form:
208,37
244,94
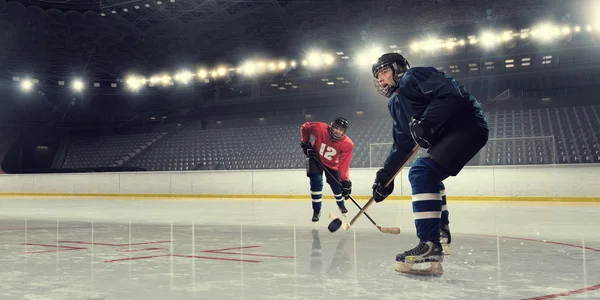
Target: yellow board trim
299,197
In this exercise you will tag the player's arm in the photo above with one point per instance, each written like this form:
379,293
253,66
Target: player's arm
345,160
444,95
401,148
306,130
344,169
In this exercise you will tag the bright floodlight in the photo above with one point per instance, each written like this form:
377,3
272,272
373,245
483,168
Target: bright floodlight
328,59
26,85
184,77
369,56
487,40
202,74
155,79
165,79
314,59
135,83
78,85
545,32
248,68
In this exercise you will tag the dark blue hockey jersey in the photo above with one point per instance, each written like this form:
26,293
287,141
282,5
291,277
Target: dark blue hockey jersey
438,98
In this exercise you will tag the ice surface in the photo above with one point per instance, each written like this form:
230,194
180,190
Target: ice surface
95,248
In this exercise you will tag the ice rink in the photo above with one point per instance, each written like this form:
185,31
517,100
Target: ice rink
109,248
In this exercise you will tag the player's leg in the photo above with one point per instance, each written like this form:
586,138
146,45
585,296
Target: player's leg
445,236
315,174
452,153
425,178
337,190
446,158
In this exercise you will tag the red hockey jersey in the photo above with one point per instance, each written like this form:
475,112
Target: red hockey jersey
334,154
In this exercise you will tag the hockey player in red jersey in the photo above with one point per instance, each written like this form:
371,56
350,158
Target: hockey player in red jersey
333,148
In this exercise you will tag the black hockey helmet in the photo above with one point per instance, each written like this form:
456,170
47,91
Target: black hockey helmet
339,123
399,66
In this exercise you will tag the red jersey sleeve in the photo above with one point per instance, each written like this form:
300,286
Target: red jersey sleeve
345,159
306,130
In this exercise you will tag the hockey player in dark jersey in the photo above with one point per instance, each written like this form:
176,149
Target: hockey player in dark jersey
433,110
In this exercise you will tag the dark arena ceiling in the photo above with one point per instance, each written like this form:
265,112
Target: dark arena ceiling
105,38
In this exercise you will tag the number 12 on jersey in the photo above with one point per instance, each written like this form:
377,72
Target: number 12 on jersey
330,151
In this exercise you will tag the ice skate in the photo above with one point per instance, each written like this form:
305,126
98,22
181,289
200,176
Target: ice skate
343,209
445,238
316,215
424,252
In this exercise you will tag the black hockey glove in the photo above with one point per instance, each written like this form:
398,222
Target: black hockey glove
421,132
346,188
307,148
380,191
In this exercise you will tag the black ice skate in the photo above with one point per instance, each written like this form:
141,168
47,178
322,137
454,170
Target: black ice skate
343,209
316,215
445,238
424,252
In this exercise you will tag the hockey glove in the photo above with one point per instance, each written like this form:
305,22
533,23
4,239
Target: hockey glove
421,132
346,188
380,191
307,148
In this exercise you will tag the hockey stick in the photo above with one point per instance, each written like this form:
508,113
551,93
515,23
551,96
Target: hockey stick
337,223
390,230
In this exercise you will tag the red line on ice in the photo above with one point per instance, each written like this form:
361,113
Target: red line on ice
234,248
250,254
142,249
115,245
57,248
184,256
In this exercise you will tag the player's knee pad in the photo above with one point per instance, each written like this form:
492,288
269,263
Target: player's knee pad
425,176
316,183
456,148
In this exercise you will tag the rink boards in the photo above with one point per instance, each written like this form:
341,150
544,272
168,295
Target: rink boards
571,183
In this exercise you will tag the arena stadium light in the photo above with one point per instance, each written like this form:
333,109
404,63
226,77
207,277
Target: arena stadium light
135,83
545,32
165,79
369,56
184,76
488,40
26,85
248,68
202,74
77,85
316,59
282,65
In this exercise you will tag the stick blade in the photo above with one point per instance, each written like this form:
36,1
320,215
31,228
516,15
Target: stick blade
390,230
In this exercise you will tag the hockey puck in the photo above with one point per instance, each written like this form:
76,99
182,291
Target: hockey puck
334,225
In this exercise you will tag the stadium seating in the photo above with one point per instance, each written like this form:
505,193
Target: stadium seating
536,136
107,151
